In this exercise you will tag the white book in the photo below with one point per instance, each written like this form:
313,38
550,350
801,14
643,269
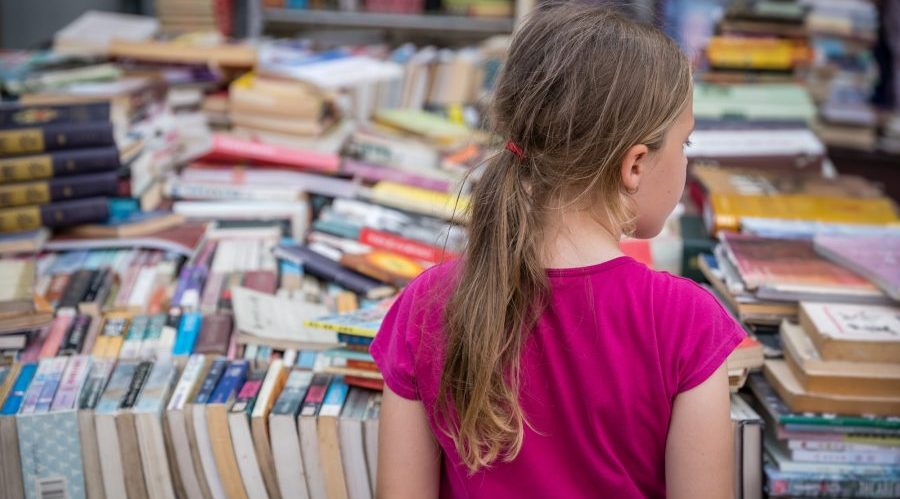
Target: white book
177,423
289,466
352,444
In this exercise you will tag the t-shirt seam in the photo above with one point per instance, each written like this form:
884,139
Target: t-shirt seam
704,372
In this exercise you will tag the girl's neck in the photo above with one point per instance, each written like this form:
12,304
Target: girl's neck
576,238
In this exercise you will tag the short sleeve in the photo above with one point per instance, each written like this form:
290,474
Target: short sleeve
392,350
700,334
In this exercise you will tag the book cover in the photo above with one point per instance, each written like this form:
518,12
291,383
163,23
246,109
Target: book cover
57,136
215,332
188,331
229,149
329,440
58,330
18,295
50,450
76,288
771,262
16,115
308,429
54,215
259,424
325,268
853,332
875,258
362,322
388,267
59,164
16,396
75,338
72,382
58,189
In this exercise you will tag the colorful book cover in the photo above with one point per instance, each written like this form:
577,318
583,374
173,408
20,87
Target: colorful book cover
875,258
293,393
157,387
767,262
94,386
134,337
188,331
362,322
29,404
854,323
232,149
211,381
16,396
232,380
116,388
73,380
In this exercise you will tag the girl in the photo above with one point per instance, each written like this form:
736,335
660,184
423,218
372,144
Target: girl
544,363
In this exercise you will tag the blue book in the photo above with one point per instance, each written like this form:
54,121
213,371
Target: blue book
307,359
231,382
50,452
212,379
188,331
17,394
334,398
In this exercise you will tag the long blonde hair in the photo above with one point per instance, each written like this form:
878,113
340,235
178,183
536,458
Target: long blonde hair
581,85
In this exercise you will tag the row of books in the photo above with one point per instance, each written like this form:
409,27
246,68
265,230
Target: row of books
475,8
185,427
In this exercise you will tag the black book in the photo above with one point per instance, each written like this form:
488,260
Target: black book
17,115
74,339
76,288
54,215
59,189
55,137
59,164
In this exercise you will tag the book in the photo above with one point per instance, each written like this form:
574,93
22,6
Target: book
853,332
748,433
129,446
94,386
437,204
107,435
148,424
329,439
370,431
259,424
229,149
242,436
388,267
253,93
309,439
136,224
285,440
429,126
725,211
54,215
325,268
793,484
220,436
58,189
23,242
266,318
54,137
92,32
791,270
352,444
233,55
182,239
11,469
835,376
16,115
875,258
76,288
214,334
179,426
201,448
789,388
59,164
363,322
17,295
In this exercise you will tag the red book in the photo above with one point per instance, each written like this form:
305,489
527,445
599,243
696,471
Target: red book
403,246
58,331
229,149
264,281
371,384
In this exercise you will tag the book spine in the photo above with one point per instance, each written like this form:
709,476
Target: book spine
75,338
135,336
849,486
58,330
188,331
324,268
95,383
169,333
403,246
76,288
51,383
264,281
214,334
54,215
231,381
293,393
141,373
334,398
246,397
846,457
373,173
315,394
73,380
212,379
29,116
150,346
16,396
116,388
52,137
351,339
61,189
229,147
189,378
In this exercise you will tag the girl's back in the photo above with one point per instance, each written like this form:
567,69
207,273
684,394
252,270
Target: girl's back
600,370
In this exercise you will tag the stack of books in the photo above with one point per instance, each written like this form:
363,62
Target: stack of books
59,165
257,103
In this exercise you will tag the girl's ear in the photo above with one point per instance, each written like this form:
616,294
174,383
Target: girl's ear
634,166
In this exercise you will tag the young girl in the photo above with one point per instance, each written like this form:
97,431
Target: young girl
544,363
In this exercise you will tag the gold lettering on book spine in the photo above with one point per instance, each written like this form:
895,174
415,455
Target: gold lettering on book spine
24,141
29,168
22,194
19,219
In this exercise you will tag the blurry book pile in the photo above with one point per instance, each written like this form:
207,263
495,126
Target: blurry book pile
802,253
474,8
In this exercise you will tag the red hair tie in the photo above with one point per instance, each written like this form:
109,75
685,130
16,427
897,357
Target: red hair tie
515,149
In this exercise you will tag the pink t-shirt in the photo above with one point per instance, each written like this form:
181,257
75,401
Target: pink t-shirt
601,371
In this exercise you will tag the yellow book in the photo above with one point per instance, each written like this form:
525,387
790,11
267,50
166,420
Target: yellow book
727,210
434,203
755,53
433,127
